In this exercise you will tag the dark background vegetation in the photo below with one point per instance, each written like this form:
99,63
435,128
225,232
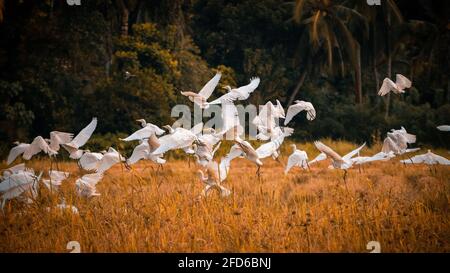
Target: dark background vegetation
61,65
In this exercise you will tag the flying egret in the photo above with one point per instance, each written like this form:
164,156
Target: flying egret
320,157
298,158
16,184
143,151
83,136
179,138
381,156
90,161
398,87
145,132
249,152
12,170
338,162
86,185
55,179
202,96
266,121
109,159
58,138
38,145
241,93
213,179
428,158
297,108
397,141
272,147
16,151
445,128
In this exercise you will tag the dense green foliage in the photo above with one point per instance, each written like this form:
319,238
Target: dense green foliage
61,65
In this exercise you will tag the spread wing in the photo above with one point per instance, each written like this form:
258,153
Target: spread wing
353,153
328,151
58,138
84,135
141,151
402,82
299,106
90,161
386,87
207,90
16,151
318,158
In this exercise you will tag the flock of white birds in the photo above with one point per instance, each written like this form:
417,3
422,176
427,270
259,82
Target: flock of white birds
199,142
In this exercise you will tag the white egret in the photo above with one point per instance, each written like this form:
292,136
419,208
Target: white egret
12,170
213,179
266,121
38,145
55,179
144,133
16,184
249,152
297,108
202,96
86,185
109,159
318,158
445,128
179,138
298,158
381,156
428,158
241,93
272,147
338,162
90,161
83,136
58,138
398,87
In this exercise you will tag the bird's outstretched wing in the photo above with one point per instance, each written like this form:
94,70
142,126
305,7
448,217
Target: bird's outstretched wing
402,82
386,87
320,157
209,87
297,108
445,128
16,151
38,145
141,151
84,135
141,134
353,153
90,161
109,159
197,129
328,151
58,138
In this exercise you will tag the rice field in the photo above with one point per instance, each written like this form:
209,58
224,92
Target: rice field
403,207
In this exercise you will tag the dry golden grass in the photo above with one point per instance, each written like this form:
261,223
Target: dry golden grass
405,208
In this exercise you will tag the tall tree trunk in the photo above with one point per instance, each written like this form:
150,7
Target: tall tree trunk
124,25
389,58
358,87
297,87
374,58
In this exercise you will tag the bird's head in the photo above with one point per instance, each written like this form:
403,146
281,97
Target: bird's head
16,142
142,121
227,87
294,147
168,128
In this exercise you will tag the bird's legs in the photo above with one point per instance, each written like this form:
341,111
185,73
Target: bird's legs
258,171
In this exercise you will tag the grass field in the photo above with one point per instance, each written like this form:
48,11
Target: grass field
405,208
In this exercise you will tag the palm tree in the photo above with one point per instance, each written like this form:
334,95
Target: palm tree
326,31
